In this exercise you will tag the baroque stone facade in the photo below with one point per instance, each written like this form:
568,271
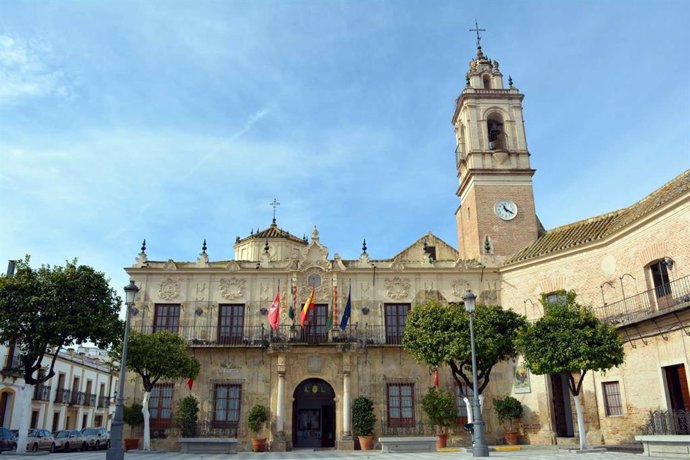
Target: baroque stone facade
630,265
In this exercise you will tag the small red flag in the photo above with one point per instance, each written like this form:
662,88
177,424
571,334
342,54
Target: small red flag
190,382
273,312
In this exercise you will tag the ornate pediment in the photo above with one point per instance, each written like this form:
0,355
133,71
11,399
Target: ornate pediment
232,288
232,266
170,265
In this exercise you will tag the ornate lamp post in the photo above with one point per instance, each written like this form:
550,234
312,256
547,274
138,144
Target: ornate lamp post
479,447
116,451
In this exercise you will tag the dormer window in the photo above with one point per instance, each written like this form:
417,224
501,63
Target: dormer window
496,135
486,80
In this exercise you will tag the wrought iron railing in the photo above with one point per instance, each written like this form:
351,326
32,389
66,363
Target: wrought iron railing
640,306
13,363
668,422
79,398
103,401
42,392
63,396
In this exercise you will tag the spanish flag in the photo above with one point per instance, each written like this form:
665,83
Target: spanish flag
308,305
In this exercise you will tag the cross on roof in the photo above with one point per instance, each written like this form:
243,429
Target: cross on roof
477,29
275,204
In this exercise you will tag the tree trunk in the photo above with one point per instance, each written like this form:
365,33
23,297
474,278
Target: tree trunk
145,411
24,416
580,422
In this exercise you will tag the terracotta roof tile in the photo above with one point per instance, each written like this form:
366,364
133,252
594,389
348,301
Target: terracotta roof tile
599,227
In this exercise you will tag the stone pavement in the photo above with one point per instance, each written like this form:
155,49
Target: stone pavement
304,454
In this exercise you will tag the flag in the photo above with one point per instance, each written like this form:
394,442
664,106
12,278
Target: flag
190,382
291,310
308,306
346,312
273,312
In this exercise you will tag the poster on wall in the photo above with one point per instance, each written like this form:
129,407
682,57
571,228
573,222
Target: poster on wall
521,379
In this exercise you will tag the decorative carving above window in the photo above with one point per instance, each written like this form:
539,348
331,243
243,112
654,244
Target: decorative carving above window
232,288
397,288
169,289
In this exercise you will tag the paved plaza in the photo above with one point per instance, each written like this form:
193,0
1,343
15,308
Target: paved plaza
531,453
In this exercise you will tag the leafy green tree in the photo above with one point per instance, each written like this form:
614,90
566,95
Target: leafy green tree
570,339
438,334
54,307
161,355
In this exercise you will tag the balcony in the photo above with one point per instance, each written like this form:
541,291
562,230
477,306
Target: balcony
79,398
42,393
103,401
12,366
263,337
63,396
665,298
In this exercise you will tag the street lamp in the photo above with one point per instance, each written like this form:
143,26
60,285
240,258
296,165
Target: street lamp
479,447
116,451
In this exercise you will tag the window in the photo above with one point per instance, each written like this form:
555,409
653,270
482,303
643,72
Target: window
226,405
396,315
662,286
400,404
486,80
230,324
462,391
160,405
612,398
494,127
315,326
555,298
166,318
34,419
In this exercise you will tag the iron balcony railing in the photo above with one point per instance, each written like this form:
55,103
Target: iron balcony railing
42,393
668,422
263,336
640,306
63,396
79,398
103,401
91,400
12,363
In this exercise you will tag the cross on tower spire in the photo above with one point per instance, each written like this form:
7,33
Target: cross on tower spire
479,37
275,204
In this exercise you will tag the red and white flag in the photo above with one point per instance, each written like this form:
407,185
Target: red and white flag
273,312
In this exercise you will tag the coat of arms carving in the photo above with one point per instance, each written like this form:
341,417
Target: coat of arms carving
169,289
460,287
232,288
397,288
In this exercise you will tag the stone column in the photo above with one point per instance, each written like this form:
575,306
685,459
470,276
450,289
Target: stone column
347,406
279,443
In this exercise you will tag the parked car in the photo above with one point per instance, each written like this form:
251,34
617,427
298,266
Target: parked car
67,440
40,439
97,438
7,440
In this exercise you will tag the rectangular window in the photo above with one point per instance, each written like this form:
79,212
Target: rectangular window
226,405
400,404
462,392
160,405
166,318
612,398
396,315
230,324
555,298
34,419
315,327
662,286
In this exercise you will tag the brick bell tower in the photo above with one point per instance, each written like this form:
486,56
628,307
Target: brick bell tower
496,216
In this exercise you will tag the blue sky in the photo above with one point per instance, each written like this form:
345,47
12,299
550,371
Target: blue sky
179,121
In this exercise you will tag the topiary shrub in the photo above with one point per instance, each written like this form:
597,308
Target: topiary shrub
257,418
188,416
363,417
508,408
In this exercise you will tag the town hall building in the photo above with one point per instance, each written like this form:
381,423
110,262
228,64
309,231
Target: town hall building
630,265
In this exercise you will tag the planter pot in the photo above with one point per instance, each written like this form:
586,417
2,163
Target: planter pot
366,442
512,437
442,440
131,444
259,444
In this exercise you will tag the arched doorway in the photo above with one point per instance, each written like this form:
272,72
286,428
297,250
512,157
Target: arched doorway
313,414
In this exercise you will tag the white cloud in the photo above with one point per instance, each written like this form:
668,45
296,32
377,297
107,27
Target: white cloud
28,70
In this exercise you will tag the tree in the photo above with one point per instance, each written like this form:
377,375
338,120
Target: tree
52,308
437,334
570,339
161,355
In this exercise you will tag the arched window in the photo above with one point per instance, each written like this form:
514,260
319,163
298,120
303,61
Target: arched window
486,79
660,279
497,137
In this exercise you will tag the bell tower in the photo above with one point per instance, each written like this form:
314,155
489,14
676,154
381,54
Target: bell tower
496,216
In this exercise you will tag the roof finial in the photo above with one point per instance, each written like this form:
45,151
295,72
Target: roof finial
364,246
143,246
203,247
275,204
479,37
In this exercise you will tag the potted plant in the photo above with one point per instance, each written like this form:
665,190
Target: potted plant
508,409
256,419
363,421
439,406
188,416
134,417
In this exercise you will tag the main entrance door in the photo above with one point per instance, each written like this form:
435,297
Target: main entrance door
562,412
313,414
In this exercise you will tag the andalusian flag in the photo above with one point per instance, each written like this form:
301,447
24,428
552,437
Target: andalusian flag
348,309
308,306
293,301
